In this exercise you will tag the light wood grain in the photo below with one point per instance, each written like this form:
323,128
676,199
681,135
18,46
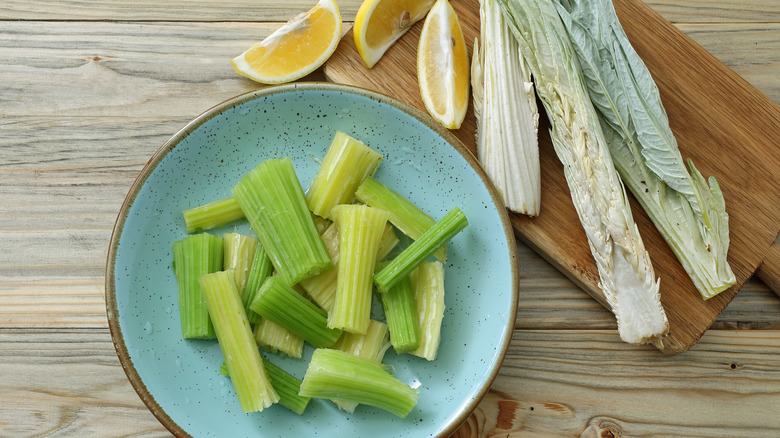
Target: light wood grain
688,11
90,90
68,383
553,383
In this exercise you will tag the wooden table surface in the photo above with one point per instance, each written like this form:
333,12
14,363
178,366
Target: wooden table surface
90,90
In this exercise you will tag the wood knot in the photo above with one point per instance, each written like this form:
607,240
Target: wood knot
602,427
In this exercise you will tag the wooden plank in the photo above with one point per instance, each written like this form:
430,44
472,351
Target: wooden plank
554,383
68,383
268,10
713,112
703,11
173,10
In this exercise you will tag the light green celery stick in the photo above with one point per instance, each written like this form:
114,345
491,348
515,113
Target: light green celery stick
281,304
253,388
405,215
360,232
626,275
690,214
284,383
334,374
278,339
322,288
194,256
260,270
401,315
428,285
402,265
272,199
347,162
371,345
239,254
212,215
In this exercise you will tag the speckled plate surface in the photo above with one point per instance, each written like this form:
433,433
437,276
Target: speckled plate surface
179,381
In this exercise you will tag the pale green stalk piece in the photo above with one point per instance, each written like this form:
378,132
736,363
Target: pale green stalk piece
278,302
284,383
418,251
212,215
277,339
506,113
360,231
239,254
334,374
272,199
347,162
404,214
194,256
371,345
401,315
689,213
626,274
260,270
253,388
322,288
427,283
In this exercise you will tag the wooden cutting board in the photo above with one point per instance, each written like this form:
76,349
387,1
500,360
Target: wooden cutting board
728,128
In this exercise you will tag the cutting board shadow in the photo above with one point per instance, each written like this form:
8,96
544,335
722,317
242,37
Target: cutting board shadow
727,127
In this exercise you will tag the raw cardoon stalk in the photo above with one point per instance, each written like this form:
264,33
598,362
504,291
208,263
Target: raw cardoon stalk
212,215
415,254
506,112
338,375
194,256
689,213
427,283
253,388
347,162
278,302
360,232
260,270
273,201
626,273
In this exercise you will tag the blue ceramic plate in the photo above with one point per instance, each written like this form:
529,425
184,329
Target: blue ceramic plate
179,381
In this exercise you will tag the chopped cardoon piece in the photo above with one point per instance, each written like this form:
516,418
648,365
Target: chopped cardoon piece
360,232
272,199
281,304
253,388
194,256
402,265
212,215
334,374
428,285
347,162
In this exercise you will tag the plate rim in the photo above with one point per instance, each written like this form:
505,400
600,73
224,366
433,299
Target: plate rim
110,291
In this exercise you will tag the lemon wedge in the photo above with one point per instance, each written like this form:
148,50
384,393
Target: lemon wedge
443,66
294,50
379,24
